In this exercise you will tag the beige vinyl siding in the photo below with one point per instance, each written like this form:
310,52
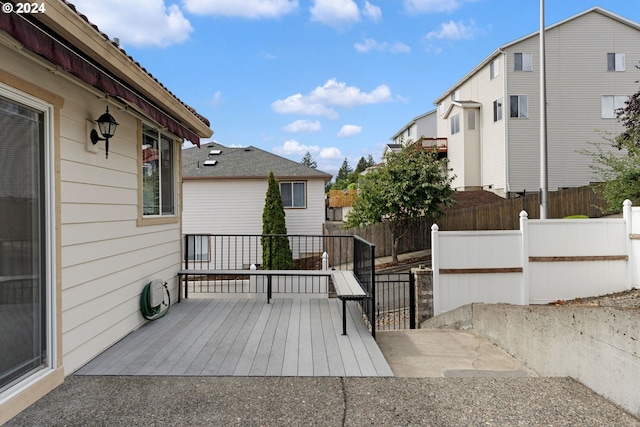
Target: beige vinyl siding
577,77
490,167
234,206
105,258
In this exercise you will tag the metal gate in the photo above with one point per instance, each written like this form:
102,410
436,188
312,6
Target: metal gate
395,301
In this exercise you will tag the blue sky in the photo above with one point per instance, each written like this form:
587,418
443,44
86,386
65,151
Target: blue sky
336,78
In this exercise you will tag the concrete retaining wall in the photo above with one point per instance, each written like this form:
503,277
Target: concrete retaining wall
598,346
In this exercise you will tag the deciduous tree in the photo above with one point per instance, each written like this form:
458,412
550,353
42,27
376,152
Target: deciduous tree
411,185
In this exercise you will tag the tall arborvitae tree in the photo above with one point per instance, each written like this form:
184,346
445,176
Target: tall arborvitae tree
276,252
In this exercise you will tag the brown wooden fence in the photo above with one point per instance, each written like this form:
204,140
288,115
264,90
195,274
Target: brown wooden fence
501,215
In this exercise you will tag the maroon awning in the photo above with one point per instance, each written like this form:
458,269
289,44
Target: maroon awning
38,41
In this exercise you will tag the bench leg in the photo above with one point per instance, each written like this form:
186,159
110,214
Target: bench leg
344,317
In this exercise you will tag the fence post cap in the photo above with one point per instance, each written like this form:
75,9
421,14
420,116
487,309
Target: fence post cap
434,227
253,267
524,214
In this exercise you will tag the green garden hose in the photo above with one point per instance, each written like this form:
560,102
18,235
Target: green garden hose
149,312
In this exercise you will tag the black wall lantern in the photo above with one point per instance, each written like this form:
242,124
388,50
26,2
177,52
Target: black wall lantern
107,125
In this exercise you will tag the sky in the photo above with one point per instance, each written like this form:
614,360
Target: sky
335,78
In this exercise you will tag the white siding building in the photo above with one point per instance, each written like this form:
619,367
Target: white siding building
80,234
491,116
423,125
232,183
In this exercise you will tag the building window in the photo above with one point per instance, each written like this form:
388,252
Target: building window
522,62
519,106
455,124
610,104
615,61
158,173
455,95
25,233
497,109
494,68
198,248
471,119
293,194
441,109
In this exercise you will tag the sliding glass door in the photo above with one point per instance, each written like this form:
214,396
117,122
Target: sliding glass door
23,239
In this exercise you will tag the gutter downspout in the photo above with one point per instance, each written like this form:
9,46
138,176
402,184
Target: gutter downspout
505,117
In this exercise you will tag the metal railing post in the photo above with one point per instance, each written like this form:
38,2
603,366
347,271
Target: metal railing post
412,301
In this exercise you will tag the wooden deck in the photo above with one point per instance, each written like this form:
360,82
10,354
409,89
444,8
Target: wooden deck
247,337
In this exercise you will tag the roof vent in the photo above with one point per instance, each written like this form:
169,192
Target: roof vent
214,152
247,149
210,162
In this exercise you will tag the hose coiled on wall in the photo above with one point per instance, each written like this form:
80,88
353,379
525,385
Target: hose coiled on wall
149,312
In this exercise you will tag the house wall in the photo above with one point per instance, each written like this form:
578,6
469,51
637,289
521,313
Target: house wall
105,255
577,77
490,150
234,206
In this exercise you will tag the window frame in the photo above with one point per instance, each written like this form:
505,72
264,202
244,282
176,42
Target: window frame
49,106
519,113
525,63
494,68
615,100
455,124
196,242
159,218
498,105
616,62
293,196
471,120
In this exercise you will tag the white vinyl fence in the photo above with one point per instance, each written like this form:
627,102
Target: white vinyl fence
544,261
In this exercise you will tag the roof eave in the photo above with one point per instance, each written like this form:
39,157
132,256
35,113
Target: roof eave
66,22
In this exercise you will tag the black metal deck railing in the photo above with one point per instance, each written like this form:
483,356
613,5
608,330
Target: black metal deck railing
244,252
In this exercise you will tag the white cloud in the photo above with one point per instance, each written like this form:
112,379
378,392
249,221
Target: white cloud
330,153
332,93
252,9
145,22
431,6
348,131
335,13
216,99
303,126
370,44
372,12
293,147
452,31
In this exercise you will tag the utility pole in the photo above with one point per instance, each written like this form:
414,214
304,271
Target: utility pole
544,176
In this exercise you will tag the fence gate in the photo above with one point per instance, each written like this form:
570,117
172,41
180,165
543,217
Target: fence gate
395,302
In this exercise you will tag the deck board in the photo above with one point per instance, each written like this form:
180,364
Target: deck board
247,336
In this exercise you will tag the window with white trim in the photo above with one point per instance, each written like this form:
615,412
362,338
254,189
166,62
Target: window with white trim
522,62
497,109
455,124
197,248
471,119
615,61
455,95
293,194
519,106
158,173
494,68
611,103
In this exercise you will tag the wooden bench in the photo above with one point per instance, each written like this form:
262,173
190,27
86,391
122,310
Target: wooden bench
347,288
344,282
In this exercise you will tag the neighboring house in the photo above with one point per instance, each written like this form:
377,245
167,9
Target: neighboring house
424,125
232,182
80,234
491,116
